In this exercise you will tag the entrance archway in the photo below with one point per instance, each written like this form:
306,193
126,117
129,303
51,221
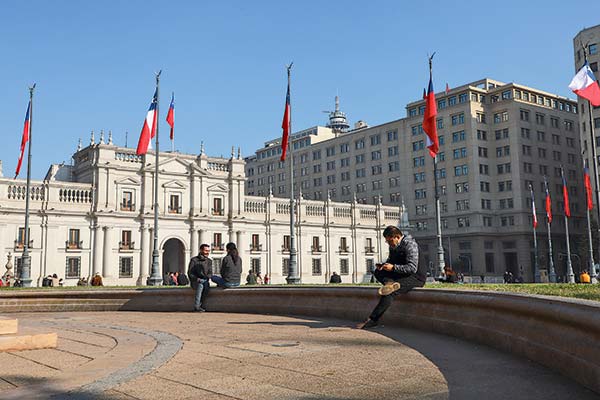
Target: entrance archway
173,259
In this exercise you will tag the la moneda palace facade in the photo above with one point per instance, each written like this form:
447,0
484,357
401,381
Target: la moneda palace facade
96,216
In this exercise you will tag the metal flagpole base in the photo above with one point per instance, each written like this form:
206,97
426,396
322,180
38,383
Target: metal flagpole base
26,270
155,279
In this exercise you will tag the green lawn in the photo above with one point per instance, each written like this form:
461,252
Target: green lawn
588,292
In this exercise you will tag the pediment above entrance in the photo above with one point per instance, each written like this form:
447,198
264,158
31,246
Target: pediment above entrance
219,187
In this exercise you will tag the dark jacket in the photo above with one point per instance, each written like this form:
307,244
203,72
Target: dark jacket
231,271
405,258
335,279
200,267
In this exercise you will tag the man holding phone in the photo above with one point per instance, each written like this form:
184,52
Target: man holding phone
400,273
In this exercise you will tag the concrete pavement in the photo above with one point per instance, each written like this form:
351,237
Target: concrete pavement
133,355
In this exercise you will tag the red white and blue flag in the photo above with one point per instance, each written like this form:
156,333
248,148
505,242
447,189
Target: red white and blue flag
429,122
533,210
548,203
171,115
584,85
24,138
588,187
565,195
285,124
149,128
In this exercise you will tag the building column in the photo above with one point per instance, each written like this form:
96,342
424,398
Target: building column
239,242
143,273
97,264
107,252
201,238
194,249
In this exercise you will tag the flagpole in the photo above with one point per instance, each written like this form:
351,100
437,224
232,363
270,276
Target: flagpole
593,276
536,266
155,278
570,274
293,277
441,264
26,258
172,136
590,243
551,272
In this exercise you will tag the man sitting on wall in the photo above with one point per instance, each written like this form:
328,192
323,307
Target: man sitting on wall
200,272
399,274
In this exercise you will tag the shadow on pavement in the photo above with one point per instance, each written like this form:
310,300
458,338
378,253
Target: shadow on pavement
30,388
472,371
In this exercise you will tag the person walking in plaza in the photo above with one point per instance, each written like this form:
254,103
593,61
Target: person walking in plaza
400,273
231,268
200,272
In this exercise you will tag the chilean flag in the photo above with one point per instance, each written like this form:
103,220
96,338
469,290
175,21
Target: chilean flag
565,195
584,85
533,210
588,187
149,128
548,203
429,123
171,114
285,124
24,139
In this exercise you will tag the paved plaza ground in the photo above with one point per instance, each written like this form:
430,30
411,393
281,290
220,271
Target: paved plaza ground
132,355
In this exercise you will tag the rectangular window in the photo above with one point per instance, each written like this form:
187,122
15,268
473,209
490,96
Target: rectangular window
255,243
375,140
74,242
255,265
217,242
217,206
316,266
174,204
316,245
125,243
127,201
369,246
125,267
286,243
344,268
285,266
73,267
344,245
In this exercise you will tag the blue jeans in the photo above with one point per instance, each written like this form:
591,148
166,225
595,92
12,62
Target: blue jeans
222,283
201,292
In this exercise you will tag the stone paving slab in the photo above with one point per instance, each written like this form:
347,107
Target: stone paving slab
239,356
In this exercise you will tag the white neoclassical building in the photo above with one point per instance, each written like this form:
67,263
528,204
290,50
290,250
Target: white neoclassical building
97,216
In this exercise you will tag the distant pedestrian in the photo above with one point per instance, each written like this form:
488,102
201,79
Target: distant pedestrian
335,278
266,280
251,278
259,279
182,279
97,280
584,277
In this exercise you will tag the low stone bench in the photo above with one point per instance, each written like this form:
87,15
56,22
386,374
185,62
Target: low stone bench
559,333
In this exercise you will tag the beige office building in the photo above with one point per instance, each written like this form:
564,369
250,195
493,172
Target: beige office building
496,140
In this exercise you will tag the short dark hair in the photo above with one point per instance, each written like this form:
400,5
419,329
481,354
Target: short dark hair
392,231
203,245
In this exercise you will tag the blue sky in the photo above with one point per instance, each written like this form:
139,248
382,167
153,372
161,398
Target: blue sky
94,65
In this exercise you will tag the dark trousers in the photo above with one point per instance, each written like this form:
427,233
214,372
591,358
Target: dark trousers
407,283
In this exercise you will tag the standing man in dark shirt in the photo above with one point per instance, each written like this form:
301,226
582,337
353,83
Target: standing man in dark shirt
399,274
200,272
